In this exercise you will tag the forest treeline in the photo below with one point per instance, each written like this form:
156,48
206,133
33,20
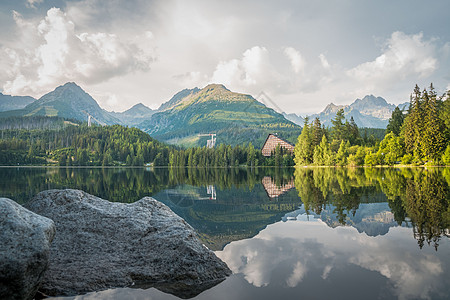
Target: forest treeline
80,145
418,136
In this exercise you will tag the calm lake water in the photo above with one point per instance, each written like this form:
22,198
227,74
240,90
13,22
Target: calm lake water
309,233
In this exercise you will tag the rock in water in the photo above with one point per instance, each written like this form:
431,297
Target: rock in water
25,239
101,244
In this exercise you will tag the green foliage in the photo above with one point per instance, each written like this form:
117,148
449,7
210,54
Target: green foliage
391,149
303,151
424,130
322,153
81,146
357,159
342,154
118,145
373,159
395,122
446,156
420,137
407,159
338,130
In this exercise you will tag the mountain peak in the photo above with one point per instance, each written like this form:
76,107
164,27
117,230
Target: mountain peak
71,85
374,106
139,105
332,108
138,109
372,100
215,86
177,98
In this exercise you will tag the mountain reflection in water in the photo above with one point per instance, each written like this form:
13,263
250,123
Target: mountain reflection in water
356,233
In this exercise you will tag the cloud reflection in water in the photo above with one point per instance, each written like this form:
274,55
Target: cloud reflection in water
289,253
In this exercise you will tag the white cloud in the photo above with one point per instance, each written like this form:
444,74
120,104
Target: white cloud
404,56
296,59
31,3
324,62
56,53
253,69
270,48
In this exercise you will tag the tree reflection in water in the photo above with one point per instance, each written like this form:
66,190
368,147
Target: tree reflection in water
417,197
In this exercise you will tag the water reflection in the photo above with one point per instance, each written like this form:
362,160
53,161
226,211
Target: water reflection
275,190
367,236
226,204
293,254
417,197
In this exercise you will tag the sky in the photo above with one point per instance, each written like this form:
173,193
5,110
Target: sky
302,54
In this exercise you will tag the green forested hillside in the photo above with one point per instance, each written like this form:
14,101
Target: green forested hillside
235,118
80,145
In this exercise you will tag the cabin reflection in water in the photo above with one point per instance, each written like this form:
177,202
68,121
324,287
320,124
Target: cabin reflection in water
273,190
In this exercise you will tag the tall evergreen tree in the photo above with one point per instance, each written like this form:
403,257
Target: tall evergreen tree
304,148
353,132
413,122
338,129
433,139
395,122
317,132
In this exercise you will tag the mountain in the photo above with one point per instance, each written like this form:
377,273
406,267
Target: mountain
67,101
235,118
135,115
294,118
404,107
8,102
370,111
177,98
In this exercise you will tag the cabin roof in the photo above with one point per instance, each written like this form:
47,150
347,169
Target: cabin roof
277,138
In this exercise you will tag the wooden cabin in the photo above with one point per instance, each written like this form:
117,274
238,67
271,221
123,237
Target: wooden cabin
271,143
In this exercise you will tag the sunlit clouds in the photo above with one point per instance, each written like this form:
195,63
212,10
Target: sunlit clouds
303,55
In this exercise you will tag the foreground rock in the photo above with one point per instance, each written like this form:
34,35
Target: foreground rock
101,244
24,248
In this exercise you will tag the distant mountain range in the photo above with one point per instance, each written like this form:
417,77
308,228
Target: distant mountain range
68,101
8,102
370,111
135,115
235,118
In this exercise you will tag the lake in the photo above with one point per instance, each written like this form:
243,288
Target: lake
310,233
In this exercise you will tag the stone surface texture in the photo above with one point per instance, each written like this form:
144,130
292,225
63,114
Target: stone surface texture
101,245
25,239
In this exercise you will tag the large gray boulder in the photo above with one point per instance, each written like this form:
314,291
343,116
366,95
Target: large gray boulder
25,239
101,245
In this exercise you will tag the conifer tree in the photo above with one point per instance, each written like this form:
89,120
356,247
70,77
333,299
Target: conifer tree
412,122
317,132
342,154
353,132
338,129
395,122
432,135
303,150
